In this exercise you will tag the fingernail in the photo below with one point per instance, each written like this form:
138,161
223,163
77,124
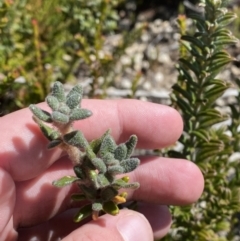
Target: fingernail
134,227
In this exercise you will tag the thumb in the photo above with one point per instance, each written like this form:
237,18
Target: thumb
128,225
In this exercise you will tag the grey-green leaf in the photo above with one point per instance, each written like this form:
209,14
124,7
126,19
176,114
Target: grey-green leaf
64,181
108,145
79,114
41,114
114,170
73,101
76,90
130,164
64,109
131,144
99,165
103,181
76,138
49,132
58,91
52,102
120,152
59,117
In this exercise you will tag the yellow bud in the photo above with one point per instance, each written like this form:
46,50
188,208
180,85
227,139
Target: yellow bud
119,199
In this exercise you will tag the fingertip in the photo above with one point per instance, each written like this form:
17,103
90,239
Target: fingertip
167,181
197,178
128,225
158,216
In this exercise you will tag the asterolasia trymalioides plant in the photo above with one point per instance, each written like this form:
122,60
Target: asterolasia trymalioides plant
96,164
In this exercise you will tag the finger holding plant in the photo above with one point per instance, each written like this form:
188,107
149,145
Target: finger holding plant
96,164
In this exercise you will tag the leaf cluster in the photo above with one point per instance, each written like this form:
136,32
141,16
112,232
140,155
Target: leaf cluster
96,163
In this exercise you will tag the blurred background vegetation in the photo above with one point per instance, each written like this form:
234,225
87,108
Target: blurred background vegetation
77,40
43,41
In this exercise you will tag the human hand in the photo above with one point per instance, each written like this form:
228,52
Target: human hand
27,170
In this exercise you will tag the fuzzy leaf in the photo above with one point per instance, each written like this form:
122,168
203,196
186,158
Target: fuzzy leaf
54,143
99,165
110,208
58,91
96,144
130,164
73,101
76,138
114,170
83,213
59,117
119,183
132,185
41,114
108,193
76,90
103,180
52,102
79,172
64,181
131,144
64,109
120,152
109,159
48,132
108,145
80,114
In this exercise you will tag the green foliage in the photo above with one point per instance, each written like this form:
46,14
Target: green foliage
46,41
205,143
96,164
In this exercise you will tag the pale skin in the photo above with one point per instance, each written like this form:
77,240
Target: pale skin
27,170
